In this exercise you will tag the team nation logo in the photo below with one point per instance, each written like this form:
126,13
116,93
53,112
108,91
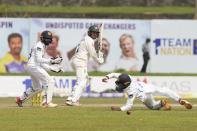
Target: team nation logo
175,46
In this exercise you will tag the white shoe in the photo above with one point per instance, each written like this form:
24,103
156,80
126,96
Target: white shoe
71,103
52,105
69,98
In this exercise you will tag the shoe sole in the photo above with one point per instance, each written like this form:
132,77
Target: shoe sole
49,106
166,105
186,104
71,104
182,102
167,108
18,103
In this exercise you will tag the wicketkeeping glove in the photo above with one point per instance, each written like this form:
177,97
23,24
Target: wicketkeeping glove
56,70
57,60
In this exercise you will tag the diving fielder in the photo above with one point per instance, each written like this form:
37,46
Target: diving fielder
38,66
144,92
88,47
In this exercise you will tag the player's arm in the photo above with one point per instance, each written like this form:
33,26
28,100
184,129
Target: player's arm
39,58
111,75
98,57
127,106
129,103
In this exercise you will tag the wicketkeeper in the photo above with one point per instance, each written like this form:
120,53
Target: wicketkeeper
38,66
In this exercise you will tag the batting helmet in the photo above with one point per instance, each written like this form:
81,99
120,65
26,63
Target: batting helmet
93,28
46,37
122,82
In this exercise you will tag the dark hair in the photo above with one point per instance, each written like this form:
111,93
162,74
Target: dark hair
148,40
14,35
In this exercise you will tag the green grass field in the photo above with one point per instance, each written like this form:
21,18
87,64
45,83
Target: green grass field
94,115
101,10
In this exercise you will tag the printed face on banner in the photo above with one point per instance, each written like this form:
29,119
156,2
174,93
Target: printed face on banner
14,35
9,26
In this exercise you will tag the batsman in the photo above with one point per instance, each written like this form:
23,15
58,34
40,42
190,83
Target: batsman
90,46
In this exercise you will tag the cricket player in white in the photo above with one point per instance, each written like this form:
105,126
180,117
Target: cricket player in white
38,66
87,48
144,92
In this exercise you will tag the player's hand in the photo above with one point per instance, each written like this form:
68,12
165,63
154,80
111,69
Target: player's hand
128,112
100,54
57,60
105,79
97,45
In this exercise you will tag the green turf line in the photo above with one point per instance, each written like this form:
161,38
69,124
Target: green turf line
101,10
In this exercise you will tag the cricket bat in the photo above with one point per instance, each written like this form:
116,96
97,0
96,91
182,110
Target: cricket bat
101,27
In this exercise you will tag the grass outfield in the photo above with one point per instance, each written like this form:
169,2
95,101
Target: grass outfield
94,118
101,10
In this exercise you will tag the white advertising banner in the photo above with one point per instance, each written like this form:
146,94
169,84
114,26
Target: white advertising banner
183,85
173,42
174,46
72,31
12,86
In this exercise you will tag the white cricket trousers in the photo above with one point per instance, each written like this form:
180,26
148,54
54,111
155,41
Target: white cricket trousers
81,80
149,100
41,81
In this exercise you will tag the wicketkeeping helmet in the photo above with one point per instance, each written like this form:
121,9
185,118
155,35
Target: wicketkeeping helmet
46,37
122,82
